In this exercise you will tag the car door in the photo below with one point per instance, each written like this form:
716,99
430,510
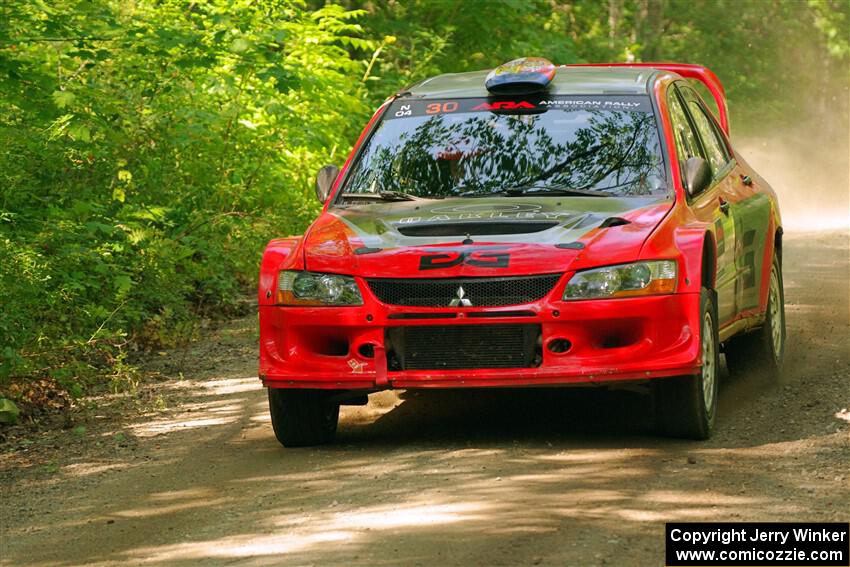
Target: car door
711,205
749,209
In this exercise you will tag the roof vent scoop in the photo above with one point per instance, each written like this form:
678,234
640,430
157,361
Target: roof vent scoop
520,76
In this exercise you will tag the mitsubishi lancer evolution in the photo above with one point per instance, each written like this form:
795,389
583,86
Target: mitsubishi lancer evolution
529,226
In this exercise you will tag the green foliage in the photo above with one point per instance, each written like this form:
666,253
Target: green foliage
9,412
145,159
434,36
148,149
772,55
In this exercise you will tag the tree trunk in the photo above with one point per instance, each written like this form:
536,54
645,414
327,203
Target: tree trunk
615,15
651,29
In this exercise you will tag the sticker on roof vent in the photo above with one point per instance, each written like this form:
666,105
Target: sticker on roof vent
525,75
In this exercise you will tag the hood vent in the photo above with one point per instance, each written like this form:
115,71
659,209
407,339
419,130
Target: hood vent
613,221
474,228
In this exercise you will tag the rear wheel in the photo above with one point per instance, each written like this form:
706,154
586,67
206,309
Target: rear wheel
302,417
763,350
686,406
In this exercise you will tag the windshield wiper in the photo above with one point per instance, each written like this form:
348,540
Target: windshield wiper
519,192
397,196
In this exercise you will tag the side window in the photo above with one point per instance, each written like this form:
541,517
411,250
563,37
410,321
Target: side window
687,144
715,149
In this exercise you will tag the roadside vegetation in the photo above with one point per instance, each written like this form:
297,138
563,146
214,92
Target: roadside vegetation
149,149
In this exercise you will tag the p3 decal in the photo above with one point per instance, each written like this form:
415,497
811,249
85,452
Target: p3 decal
481,258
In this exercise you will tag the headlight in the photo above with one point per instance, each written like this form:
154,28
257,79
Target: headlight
626,280
310,288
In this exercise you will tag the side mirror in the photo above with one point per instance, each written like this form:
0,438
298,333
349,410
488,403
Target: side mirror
697,175
325,181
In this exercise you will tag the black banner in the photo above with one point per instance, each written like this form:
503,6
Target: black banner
530,104
757,544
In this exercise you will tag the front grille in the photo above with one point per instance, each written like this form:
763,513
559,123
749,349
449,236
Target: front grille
463,347
480,292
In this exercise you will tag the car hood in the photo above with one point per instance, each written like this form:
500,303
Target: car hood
481,237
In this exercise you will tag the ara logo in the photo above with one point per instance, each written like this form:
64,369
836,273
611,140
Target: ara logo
460,300
504,105
480,258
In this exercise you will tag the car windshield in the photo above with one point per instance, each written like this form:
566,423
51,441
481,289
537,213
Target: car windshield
591,146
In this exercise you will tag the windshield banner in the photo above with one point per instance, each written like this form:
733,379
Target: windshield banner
533,104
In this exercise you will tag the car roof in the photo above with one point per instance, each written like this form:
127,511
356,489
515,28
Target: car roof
568,80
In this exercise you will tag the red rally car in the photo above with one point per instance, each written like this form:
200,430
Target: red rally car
535,225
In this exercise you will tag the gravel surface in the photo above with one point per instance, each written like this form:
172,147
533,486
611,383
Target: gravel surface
191,473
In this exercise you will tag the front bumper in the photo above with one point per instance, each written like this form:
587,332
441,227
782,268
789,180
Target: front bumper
613,340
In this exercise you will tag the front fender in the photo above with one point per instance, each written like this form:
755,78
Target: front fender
280,254
699,254
683,237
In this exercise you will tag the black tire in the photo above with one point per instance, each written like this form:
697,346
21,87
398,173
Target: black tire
683,407
301,418
762,350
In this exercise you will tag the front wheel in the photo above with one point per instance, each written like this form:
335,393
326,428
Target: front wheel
686,406
301,418
762,350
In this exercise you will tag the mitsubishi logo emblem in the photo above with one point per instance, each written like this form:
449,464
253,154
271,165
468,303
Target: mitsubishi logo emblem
460,300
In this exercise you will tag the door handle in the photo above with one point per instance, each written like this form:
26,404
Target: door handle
724,206
746,180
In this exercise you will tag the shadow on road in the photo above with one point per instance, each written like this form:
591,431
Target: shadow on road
539,414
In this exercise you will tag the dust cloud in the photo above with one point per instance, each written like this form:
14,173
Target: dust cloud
810,172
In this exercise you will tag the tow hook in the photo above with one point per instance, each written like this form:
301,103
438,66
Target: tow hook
381,379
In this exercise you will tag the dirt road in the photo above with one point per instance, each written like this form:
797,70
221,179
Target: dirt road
465,478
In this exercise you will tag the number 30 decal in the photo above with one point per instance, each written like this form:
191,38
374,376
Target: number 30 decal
437,107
